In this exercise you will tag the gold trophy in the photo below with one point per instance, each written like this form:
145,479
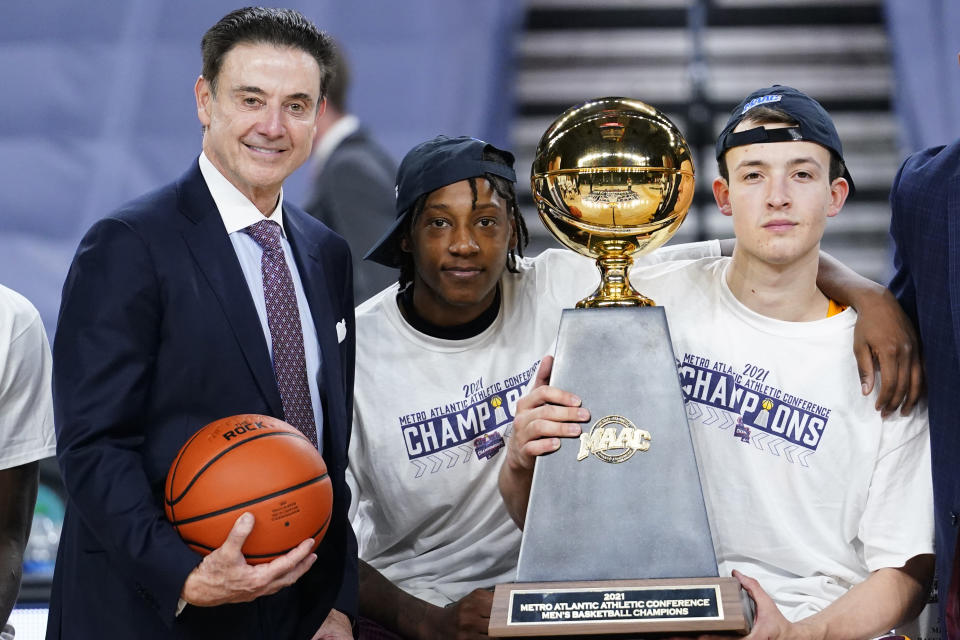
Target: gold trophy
616,540
613,178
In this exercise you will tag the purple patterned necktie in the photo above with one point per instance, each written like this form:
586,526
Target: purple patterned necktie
286,332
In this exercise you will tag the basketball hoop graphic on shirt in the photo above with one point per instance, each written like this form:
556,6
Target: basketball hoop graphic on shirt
613,439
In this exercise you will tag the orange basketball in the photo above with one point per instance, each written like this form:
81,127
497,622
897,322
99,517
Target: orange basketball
249,463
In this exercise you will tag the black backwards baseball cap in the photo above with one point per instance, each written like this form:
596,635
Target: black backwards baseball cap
427,167
815,124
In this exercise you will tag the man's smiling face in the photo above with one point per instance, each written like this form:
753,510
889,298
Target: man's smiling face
261,118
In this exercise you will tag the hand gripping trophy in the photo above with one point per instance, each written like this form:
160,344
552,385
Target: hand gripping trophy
616,539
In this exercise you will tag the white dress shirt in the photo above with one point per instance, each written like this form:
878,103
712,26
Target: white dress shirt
238,213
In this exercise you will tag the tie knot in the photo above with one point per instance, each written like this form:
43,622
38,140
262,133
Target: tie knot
266,233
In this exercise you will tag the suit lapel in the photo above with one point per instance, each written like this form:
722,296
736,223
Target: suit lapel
211,248
953,253
315,278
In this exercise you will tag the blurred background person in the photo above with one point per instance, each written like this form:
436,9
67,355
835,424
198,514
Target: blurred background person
352,189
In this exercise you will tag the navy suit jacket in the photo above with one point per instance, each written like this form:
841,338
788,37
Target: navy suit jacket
926,231
158,336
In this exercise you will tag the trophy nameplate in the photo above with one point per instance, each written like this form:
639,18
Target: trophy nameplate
619,608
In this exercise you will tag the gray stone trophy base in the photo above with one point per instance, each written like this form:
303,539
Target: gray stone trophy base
616,518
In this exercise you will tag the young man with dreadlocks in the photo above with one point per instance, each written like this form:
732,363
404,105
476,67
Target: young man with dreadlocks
442,358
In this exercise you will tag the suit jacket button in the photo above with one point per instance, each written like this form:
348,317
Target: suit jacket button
954,518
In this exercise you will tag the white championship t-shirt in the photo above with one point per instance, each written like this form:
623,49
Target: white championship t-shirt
808,489
430,420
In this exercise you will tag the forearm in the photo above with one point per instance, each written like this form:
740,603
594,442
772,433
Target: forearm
390,606
884,339
514,482
18,495
846,286
889,597
11,557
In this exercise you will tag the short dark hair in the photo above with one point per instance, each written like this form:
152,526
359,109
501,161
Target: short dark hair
503,188
770,115
279,27
339,80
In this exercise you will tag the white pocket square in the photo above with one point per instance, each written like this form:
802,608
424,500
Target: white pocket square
341,331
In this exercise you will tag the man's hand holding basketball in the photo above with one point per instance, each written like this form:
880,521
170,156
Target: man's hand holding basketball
543,416
224,575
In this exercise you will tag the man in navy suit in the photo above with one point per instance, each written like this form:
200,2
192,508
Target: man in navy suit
170,319
925,199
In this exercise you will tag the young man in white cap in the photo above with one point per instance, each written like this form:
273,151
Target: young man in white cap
809,490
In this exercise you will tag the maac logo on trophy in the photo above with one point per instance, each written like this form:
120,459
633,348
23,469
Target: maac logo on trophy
613,439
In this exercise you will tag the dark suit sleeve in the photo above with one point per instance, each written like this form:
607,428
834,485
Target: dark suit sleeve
104,353
902,284
347,599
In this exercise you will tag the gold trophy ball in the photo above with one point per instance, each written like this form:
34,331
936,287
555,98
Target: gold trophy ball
612,178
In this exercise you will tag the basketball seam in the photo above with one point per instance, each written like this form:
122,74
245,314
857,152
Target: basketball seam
178,523
322,528
176,464
172,501
176,467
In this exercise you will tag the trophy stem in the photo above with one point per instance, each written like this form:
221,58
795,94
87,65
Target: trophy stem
615,289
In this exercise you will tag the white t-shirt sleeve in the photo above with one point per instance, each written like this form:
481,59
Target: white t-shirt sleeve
563,277
685,251
901,491
566,277
354,494
26,402
356,457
